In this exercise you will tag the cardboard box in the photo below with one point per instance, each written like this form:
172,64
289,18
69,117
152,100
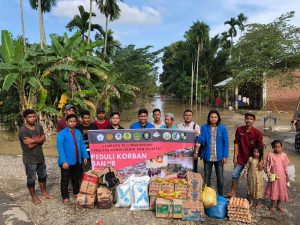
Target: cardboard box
152,201
154,187
86,200
89,183
183,189
194,196
191,213
168,208
177,209
194,181
169,187
163,208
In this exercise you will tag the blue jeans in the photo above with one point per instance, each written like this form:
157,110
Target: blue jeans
35,168
208,165
237,171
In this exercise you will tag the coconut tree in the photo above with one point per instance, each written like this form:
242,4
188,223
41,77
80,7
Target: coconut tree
232,30
23,26
241,18
81,23
90,21
198,34
111,11
112,44
42,6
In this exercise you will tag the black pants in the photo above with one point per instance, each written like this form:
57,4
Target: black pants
208,165
73,173
195,166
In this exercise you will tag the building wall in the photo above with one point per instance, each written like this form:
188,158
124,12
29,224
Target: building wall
284,98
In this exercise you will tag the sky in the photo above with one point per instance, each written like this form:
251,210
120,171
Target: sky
147,22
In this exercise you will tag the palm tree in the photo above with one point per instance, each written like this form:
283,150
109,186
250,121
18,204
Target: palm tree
81,22
111,10
198,33
112,44
90,21
23,26
241,22
232,31
42,6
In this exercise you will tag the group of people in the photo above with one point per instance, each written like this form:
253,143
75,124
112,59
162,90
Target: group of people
211,145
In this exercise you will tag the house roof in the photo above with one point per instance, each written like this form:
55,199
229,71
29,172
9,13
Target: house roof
224,82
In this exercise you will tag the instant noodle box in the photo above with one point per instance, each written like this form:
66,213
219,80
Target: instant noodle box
154,187
167,187
89,183
194,181
152,202
86,200
183,189
192,211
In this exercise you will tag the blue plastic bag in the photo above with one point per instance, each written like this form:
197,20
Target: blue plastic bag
220,210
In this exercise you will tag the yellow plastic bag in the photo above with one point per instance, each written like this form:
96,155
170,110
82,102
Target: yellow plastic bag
209,197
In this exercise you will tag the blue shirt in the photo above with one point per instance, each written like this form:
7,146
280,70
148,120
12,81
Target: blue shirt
66,148
222,142
137,125
165,127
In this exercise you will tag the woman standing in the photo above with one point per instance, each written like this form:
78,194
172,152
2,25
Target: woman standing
214,138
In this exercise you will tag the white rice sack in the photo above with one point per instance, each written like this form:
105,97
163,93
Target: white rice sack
291,172
124,194
140,197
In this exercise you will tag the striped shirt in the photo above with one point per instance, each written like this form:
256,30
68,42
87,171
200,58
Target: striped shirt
213,145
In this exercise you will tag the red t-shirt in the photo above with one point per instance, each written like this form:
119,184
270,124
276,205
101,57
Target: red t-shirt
247,141
101,126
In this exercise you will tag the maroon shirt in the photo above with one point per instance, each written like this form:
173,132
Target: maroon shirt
247,141
62,124
103,125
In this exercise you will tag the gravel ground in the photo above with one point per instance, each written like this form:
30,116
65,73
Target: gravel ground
54,212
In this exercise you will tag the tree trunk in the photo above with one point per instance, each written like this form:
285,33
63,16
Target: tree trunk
192,85
90,22
41,25
23,26
197,72
105,41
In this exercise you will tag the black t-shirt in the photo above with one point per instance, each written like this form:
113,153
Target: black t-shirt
34,155
84,130
112,128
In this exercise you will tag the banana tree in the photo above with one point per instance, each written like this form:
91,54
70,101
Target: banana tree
21,74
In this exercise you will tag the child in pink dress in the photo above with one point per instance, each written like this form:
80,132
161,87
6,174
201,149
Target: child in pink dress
277,163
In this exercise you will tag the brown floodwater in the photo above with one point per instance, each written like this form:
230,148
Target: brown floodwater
9,143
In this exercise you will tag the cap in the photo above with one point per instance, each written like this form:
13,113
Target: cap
171,115
67,107
250,114
100,109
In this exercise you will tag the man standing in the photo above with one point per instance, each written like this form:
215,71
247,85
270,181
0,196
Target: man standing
296,124
246,139
32,138
142,123
101,122
86,124
114,121
169,121
157,118
68,110
188,124
71,151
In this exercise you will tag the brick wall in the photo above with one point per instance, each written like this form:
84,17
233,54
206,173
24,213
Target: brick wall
284,98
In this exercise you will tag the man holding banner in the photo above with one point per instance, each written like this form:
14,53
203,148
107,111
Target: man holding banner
142,123
188,124
114,121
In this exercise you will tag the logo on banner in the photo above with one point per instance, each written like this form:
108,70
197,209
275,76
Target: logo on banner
118,136
100,137
146,136
167,136
109,137
156,134
127,136
137,136
175,136
183,136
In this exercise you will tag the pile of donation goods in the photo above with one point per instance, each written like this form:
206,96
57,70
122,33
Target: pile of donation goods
177,196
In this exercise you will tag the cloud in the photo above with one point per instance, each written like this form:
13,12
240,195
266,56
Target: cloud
144,15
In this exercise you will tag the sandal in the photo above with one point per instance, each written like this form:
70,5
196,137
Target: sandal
66,201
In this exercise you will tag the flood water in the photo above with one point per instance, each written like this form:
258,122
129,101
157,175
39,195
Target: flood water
9,143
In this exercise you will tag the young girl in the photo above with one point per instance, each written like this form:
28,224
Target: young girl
277,167
254,177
